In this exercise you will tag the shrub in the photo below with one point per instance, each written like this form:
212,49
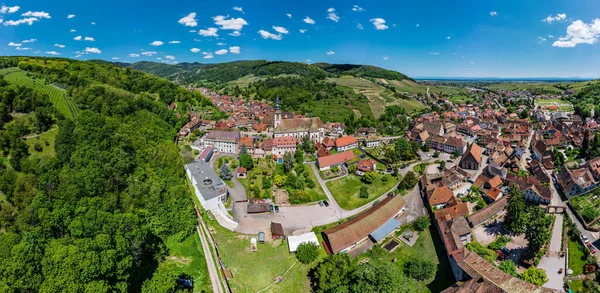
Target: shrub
364,192
508,266
307,252
38,147
420,269
421,223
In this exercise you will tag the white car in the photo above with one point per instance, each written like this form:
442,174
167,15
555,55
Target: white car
585,239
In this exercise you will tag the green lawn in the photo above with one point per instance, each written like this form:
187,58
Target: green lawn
46,141
346,190
253,271
316,193
187,257
577,257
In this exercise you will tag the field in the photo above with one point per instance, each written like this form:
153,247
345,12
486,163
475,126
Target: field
338,109
346,190
46,141
587,207
59,98
562,104
187,257
253,271
379,97
522,86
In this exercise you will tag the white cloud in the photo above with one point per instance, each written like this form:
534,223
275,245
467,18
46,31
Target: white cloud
13,44
471,62
70,15
89,39
115,58
330,52
221,52
30,41
379,23
59,46
170,57
156,43
385,57
558,17
357,8
1,20
77,38
281,30
238,9
307,60
235,34
28,21
72,31
93,23
448,37
92,50
192,31
289,15
52,53
23,49
493,13
268,35
302,31
540,40
207,55
174,42
234,50
359,26
418,25
434,53
333,15
551,36
308,20
189,20
7,9
579,33
195,50
209,32
149,53
37,14
221,44
235,24
134,55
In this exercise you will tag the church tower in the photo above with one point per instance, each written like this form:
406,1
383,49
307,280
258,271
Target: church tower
277,118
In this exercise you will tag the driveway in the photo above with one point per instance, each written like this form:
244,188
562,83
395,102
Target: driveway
552,262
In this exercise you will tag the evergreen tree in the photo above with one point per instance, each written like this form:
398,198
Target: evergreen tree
288,164
225,173
516,218
538,229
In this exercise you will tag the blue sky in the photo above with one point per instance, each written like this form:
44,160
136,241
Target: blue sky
551,38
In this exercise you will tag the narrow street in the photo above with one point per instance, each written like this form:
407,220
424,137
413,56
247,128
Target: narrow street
552,262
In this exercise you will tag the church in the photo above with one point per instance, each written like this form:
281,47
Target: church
297,128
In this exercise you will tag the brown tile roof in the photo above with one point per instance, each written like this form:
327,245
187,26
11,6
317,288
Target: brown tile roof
484,214
344,235
285,141
474,151
345,141
323,152
247,141
299,124
366,165
440,195
335,159
459,210
221,135
496,181
276,229
328,142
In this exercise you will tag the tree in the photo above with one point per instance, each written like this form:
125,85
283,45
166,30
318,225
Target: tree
243,149
524,114
38,147
442,165
280,180
369,177
534,276
288,164
436,154
364,192
246,161
225,173
409,181
18,151
516,218
266,183
421,223
308,146
538,231
352,169
403,150
333,274
43,118
508,266
420,269
309,183
299,157
307,252
380,276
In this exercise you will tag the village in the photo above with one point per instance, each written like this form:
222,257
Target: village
265,171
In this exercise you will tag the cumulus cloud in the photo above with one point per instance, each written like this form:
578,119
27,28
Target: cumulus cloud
115,58
558,17
156,43
52,53
134,55
235,24
149,53
6,9
302,31
170,57
37,14
330,52
493,13
268,35
70,15
580,32
209,32
192,31
77,38
221,52
385,57
207,55
23,49
357,8
189,20
30,41
174,42
333,15
221,44
359,26
238,9
417,25
89,39
195,50
59,45
308,20
13,44
379,23
551,36
29,21
281,30
289,15
448,37
234,50
540,40
72,31
93,23
235,34
92,50
434,53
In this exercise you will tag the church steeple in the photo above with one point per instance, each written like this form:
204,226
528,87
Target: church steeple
277,114
277,107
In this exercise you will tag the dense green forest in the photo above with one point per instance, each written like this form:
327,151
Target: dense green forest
587,99
95,213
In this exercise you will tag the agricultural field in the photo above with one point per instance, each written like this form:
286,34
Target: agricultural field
58,96
523,86
346,190
561,104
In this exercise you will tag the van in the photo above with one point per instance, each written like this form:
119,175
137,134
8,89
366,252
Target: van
261,237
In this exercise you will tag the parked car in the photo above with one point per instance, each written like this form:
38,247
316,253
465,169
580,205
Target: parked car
585,239
592,249
325,203
505,250
277,209
500,254
271,208
261,237
321,203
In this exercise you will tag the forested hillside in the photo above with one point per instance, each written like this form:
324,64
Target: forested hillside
92,202
587,99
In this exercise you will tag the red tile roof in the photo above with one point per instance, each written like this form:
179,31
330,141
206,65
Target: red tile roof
345,141
285,141
335,159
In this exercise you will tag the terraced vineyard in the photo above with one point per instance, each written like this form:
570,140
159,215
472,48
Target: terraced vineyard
58,96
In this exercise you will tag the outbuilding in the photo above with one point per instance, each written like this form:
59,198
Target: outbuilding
295,241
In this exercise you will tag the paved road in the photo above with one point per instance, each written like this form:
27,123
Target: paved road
213,272
237,192
552,262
